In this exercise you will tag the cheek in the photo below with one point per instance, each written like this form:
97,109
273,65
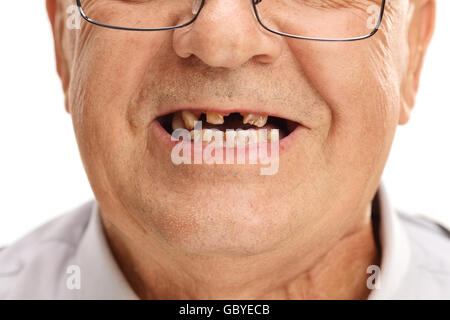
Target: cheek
109,67
356,82
108,71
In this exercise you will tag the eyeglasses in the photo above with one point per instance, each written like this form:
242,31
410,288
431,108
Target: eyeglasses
319,20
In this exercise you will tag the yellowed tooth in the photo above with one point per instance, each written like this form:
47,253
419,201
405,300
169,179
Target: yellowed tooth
214,117
248,118
177,121
189,119
261,122
258,120
274,135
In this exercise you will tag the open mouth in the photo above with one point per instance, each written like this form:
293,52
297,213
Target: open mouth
260,126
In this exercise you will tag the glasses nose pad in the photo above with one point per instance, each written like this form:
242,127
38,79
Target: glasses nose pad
196,6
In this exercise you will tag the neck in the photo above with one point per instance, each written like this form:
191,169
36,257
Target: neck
293,271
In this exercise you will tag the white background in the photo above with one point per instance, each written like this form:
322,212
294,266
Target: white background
41,174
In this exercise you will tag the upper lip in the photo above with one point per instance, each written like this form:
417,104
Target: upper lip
224,109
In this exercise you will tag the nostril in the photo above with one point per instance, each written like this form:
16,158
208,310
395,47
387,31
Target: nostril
226,34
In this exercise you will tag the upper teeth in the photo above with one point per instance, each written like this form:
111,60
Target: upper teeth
177,121
255,119
188,118
214,118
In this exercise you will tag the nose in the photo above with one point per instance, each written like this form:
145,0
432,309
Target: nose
226,34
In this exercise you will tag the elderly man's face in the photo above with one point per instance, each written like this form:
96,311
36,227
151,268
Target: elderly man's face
347,97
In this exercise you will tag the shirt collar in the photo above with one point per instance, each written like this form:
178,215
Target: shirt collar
395,249
101,277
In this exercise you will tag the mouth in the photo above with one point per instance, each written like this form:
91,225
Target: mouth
261,124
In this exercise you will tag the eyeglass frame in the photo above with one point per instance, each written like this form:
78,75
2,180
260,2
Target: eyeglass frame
255,11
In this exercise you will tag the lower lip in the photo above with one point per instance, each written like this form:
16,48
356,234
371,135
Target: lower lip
162,135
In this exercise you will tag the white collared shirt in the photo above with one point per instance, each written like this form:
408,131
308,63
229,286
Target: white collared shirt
69,258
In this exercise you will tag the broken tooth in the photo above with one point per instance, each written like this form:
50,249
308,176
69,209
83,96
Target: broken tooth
248,118
189,119
258,120
214,117
177,121
262,120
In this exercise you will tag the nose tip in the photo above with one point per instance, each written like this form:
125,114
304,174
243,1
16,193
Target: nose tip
226,34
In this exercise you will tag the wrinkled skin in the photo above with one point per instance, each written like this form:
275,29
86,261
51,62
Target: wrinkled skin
225,231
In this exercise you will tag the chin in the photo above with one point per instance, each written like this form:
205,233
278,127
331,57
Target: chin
228,225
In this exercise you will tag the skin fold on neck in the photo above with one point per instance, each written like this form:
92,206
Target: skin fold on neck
336,271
